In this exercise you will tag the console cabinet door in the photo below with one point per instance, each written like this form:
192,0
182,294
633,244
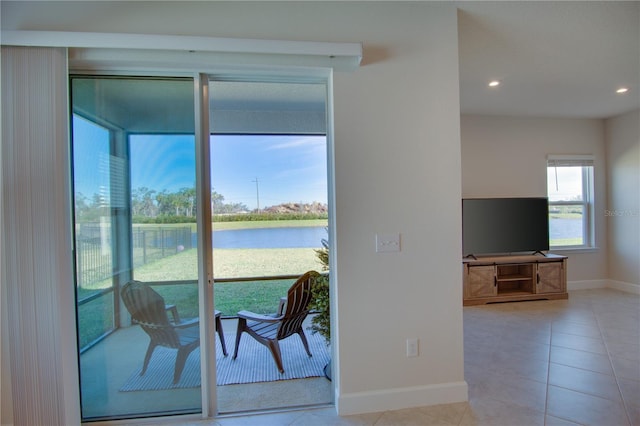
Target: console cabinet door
480,281
550,278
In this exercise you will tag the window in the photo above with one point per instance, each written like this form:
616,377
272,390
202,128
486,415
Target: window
570,192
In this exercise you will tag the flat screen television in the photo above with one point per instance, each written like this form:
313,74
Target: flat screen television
504,225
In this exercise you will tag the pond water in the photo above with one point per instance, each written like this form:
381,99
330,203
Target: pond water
295,237
565,228
311,237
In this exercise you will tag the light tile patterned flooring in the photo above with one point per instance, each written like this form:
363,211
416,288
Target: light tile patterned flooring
553,363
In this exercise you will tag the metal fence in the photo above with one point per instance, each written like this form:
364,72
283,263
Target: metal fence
94,261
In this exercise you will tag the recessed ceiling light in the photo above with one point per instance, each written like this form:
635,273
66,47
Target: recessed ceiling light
494,83
622,90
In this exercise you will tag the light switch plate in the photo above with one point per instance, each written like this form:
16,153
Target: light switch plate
387,243
412,348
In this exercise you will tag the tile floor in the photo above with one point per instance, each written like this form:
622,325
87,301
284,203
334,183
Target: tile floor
553,363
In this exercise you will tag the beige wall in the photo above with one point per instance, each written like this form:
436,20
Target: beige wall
397,169
506,157
622,211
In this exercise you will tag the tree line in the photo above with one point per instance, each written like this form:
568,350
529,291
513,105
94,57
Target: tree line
150,206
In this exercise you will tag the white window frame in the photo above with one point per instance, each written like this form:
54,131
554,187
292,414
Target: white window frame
586,163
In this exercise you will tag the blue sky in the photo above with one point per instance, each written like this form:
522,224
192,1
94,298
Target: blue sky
288,168
564,183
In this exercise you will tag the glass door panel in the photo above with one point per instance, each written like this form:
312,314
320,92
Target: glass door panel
134,195
270,216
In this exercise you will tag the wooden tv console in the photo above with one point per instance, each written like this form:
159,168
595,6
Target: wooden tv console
514,278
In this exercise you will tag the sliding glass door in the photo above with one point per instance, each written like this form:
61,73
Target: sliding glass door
134,188
142,257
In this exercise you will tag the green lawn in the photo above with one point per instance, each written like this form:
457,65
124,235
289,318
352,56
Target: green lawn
565,215
230,263
261,297
566,242
257,296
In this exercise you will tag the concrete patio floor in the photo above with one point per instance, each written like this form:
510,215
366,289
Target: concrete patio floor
107,366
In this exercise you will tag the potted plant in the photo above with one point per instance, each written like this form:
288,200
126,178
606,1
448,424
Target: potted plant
321,303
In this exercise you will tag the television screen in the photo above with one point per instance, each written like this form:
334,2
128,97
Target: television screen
504,225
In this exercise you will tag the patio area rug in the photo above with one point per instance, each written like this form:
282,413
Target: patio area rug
254,364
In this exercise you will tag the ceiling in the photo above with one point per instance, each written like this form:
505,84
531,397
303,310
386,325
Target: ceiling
166,105
554,59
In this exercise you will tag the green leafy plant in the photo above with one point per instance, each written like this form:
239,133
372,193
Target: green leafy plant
321,322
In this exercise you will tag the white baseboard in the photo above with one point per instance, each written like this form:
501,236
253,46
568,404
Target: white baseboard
623,286
591,284
586,284
397,399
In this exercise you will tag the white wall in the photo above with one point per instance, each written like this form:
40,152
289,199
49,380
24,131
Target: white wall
397,168
622,135
506,156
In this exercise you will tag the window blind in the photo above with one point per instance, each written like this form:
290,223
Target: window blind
569,160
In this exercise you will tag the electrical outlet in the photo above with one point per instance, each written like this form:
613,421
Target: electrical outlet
412,348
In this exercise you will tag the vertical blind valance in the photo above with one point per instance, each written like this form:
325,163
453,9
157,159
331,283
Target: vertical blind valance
88,50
